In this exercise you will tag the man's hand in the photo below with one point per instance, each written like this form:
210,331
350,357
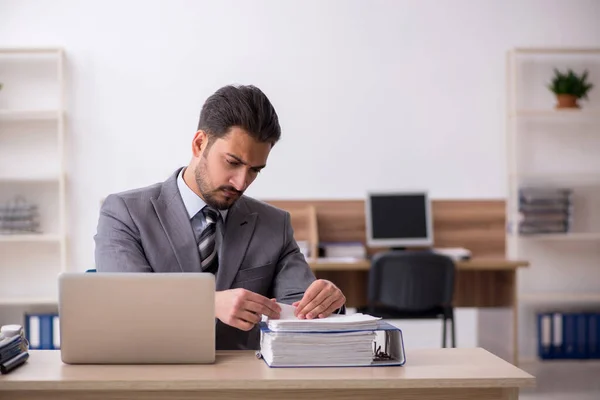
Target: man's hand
320,300
243,309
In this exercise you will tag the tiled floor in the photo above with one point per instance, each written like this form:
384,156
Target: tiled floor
563,380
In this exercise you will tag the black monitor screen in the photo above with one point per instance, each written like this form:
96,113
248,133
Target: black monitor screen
399,216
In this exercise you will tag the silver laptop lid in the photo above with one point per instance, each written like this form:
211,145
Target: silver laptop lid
137,318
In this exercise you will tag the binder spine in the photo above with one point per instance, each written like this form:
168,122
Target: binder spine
568,335
41,331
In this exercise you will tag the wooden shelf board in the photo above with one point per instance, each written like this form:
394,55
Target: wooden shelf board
554,179
560,297
565,112
574,236
23,238
29,179
30,50
556,50
29,115
26,301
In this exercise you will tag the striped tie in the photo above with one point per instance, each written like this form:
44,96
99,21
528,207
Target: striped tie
206,241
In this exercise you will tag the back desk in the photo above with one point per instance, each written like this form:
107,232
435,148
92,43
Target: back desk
488,280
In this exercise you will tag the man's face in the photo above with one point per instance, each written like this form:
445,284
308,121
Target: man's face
225,168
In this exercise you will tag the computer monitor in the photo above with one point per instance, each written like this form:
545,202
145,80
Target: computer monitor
398,219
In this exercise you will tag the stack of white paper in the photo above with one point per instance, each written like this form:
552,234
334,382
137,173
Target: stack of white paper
338,340
318,349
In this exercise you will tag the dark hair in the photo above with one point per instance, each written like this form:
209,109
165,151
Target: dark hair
246,107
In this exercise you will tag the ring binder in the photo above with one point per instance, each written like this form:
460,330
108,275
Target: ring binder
392,354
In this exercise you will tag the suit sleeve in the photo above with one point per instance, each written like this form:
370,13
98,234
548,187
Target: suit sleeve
293,274
118,244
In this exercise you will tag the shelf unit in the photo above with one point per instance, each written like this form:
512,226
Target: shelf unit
549,147
32,165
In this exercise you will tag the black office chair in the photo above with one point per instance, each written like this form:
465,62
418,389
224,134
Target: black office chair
411,285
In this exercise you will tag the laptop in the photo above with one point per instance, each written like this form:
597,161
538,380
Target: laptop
137,318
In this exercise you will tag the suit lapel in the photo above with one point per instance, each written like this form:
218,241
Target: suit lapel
238,232
175,221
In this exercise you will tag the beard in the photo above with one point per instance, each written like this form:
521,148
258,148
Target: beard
214,197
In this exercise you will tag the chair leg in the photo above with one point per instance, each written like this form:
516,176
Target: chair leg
453,329
444,331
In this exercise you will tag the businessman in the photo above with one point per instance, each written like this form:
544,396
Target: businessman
199,220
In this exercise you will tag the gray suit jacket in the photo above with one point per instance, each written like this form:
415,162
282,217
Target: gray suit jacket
148,230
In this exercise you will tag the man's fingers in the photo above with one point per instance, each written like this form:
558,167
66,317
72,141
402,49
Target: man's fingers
248,317
241,324
313,290
337,303
257,298
316,302
325,308
321,308
260,308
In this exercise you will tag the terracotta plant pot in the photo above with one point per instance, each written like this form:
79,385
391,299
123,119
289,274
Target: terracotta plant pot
566,101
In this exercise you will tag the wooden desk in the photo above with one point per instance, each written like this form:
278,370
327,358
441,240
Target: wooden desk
478,264
442,374
480,282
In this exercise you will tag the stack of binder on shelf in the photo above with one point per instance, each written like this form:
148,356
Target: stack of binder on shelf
18,216
335,341
545,210
13,348
569,335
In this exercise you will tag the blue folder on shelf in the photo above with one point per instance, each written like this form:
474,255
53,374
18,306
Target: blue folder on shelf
593,329
383,346
42,331
569,335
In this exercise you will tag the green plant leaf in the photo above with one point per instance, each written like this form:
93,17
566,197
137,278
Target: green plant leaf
570,83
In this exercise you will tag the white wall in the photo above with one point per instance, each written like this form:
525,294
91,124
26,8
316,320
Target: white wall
370,94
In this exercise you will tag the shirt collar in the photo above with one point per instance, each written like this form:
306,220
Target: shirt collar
192,202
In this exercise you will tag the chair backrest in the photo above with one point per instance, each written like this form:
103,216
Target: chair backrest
411,280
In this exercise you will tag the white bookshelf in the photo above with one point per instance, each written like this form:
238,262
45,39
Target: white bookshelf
32,165
549,147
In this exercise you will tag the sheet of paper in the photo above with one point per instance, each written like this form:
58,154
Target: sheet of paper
287,311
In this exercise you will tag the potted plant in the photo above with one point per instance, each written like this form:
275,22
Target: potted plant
569,87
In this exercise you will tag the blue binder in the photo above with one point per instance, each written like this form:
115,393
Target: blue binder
569,335
581,338
593,337
41,331
392,347
551,335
